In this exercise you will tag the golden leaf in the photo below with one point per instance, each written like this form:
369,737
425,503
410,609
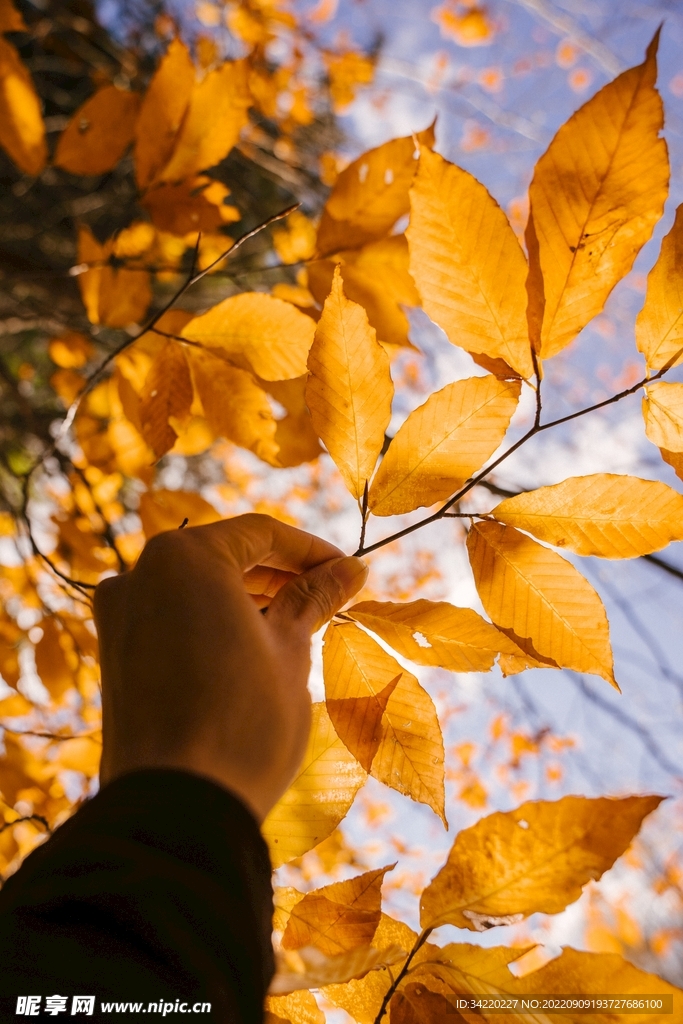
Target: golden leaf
295,437
435,633
309,968
70,349
675,460
111,296
22,131
10,18
51,662
586,974
377,278
370,195
162,112
338,917
467,264
14,705
165,510
659,325
410,756
596,195
196,204
601,514
349,390
536,858
442,443
663,414
10,637
359,721
99,133
532,590
81,754
263,334
318,798
234,406
216,114
167,392
300,1008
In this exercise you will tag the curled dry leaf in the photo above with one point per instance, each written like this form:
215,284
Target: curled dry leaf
318,798
467,263
370,195
162,112
663,415
410,755
349,390
659,325
536,858
533,591
298,1007
601,514
435,633
263,334
22,130
596,195
338,917
309,968
442,443
99,133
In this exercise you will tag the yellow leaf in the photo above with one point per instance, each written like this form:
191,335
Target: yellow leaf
165,510
22,132
309,968
409,756
442,443
111,296
196,204
167,392
10,636
369,196
51,662
338,917
263,334
99,132
216,114
675,460
319,797
586,974
659,325
596,195
234,406
81,754
377,278
14,706
300,1008
663,414
295,437
538,594
10,18
70,349
602,514
162,112
535,859
467,264
349,390
435,633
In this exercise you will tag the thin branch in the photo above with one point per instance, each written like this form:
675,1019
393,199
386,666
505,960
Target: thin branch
107,532
539,403
665,566
420,941
363,515
27,817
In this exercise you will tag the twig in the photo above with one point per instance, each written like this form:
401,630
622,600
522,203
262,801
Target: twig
537,428
107,532
420,941
661,564
27,817
363,515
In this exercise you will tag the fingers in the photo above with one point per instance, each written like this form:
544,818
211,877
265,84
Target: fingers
264,581
309,600
254,539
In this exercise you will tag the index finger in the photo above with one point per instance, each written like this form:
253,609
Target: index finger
254,539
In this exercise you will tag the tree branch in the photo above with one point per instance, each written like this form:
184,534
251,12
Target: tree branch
420,941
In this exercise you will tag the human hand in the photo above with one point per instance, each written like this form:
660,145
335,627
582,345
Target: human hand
205,652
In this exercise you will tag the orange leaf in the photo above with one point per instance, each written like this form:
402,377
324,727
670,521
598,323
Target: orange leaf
99,132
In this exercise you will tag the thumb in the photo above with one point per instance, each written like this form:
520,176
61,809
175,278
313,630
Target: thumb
309,600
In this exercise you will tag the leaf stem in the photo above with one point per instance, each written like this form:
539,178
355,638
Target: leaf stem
420,941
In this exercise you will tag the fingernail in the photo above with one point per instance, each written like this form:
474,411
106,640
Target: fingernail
347,570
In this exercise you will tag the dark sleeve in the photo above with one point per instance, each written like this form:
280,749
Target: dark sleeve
159,887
